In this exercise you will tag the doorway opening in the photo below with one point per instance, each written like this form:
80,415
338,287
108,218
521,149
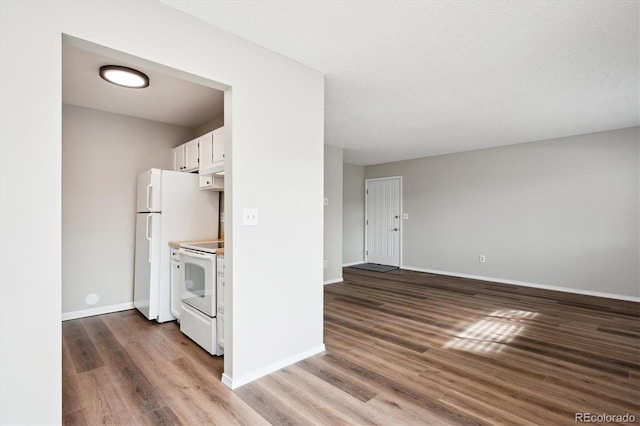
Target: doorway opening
111,134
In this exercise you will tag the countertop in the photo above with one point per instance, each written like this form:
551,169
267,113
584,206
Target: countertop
177,244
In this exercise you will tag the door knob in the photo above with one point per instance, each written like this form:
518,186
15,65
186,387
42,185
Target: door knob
394,229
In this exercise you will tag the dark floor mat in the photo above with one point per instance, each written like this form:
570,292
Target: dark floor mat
374,267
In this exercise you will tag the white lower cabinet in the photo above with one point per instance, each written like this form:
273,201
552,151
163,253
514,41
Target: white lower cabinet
220,325
175,280
220,288
220,285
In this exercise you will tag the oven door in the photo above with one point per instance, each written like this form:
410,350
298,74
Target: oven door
198,288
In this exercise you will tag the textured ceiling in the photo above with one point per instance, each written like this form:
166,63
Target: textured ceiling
407,79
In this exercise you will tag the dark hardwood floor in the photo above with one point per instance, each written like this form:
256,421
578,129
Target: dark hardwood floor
403,348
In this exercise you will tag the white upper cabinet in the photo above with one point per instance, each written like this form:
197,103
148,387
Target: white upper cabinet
204,154
191,154
185,157
205,143
218,147
212,152
178,158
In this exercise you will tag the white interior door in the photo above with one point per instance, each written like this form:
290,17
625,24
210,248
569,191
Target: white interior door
383,221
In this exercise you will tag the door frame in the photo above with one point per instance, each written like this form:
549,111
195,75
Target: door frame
366,215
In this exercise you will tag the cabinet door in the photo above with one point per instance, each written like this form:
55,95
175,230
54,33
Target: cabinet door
205,143
211,182
218,147
191,156
220,284
220,333
221,290
178,158
176,279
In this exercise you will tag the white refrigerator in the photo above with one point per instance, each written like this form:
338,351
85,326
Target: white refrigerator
170,207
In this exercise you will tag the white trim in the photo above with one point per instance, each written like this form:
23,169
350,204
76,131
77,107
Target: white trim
383,178
401,201
96,311
344,265
528,284
337,280
261,372
227,381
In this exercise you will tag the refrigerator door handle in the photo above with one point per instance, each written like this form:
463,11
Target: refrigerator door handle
149,236
149,189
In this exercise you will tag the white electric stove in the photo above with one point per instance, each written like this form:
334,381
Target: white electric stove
198,295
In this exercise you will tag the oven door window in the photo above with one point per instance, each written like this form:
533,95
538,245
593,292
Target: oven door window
194,276
197,285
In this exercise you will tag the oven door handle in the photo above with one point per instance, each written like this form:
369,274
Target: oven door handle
196,255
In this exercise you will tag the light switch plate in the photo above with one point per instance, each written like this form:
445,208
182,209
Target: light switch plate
326,201
405,216
250,217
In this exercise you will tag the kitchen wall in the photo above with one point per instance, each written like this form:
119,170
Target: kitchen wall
210,125
353,215
102,154
275,158
333,214
561,213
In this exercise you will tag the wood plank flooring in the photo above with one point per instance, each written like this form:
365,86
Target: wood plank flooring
403,348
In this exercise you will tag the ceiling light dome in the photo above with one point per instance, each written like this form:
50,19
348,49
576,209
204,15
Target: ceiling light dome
123,76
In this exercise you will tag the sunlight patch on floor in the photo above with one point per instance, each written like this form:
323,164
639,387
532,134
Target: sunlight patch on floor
492,332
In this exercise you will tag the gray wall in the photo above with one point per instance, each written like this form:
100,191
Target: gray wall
561,212
353,214
333,213
264,152
102,153
210,125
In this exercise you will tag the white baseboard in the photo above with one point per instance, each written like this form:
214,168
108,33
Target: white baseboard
96,311
527,284
337,280
344,265
235,383
226,380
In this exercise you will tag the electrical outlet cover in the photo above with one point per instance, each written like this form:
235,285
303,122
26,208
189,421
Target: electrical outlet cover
250,217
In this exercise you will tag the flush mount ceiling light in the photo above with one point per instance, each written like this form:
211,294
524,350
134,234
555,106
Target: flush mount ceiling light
123,76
